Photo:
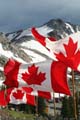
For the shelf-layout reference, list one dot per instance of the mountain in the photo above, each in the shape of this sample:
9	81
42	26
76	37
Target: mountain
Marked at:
57	28
21	45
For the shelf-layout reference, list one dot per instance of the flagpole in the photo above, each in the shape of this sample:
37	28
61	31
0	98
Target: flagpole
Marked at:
36	106
54	104
74	95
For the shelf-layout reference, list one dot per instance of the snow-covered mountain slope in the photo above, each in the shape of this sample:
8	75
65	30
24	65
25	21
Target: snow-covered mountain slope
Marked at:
26	43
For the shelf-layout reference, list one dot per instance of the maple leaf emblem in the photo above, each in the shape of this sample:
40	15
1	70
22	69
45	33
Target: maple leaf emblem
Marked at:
72	58
33	76
18	94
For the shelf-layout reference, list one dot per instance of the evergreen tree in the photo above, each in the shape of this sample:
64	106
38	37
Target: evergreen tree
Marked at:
41	106
71	107
68	107
65	107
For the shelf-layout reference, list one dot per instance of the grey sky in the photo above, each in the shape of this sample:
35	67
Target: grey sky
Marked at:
21	14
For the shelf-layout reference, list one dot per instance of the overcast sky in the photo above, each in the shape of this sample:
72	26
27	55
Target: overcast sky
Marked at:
21	14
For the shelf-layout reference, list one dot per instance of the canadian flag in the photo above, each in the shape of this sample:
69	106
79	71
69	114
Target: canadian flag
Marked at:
22	95
66	50
39	76
19	96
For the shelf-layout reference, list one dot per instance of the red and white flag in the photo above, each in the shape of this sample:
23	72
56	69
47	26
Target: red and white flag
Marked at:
66	50
19	96
22	95
39	76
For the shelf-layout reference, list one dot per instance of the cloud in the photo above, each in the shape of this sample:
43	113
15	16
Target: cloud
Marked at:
16	14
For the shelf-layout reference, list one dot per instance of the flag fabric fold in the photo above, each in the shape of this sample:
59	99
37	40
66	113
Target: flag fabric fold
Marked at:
59	77
11	71
3	101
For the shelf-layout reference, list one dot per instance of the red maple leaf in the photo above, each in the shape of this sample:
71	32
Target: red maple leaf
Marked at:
18	94
72	58
33	76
